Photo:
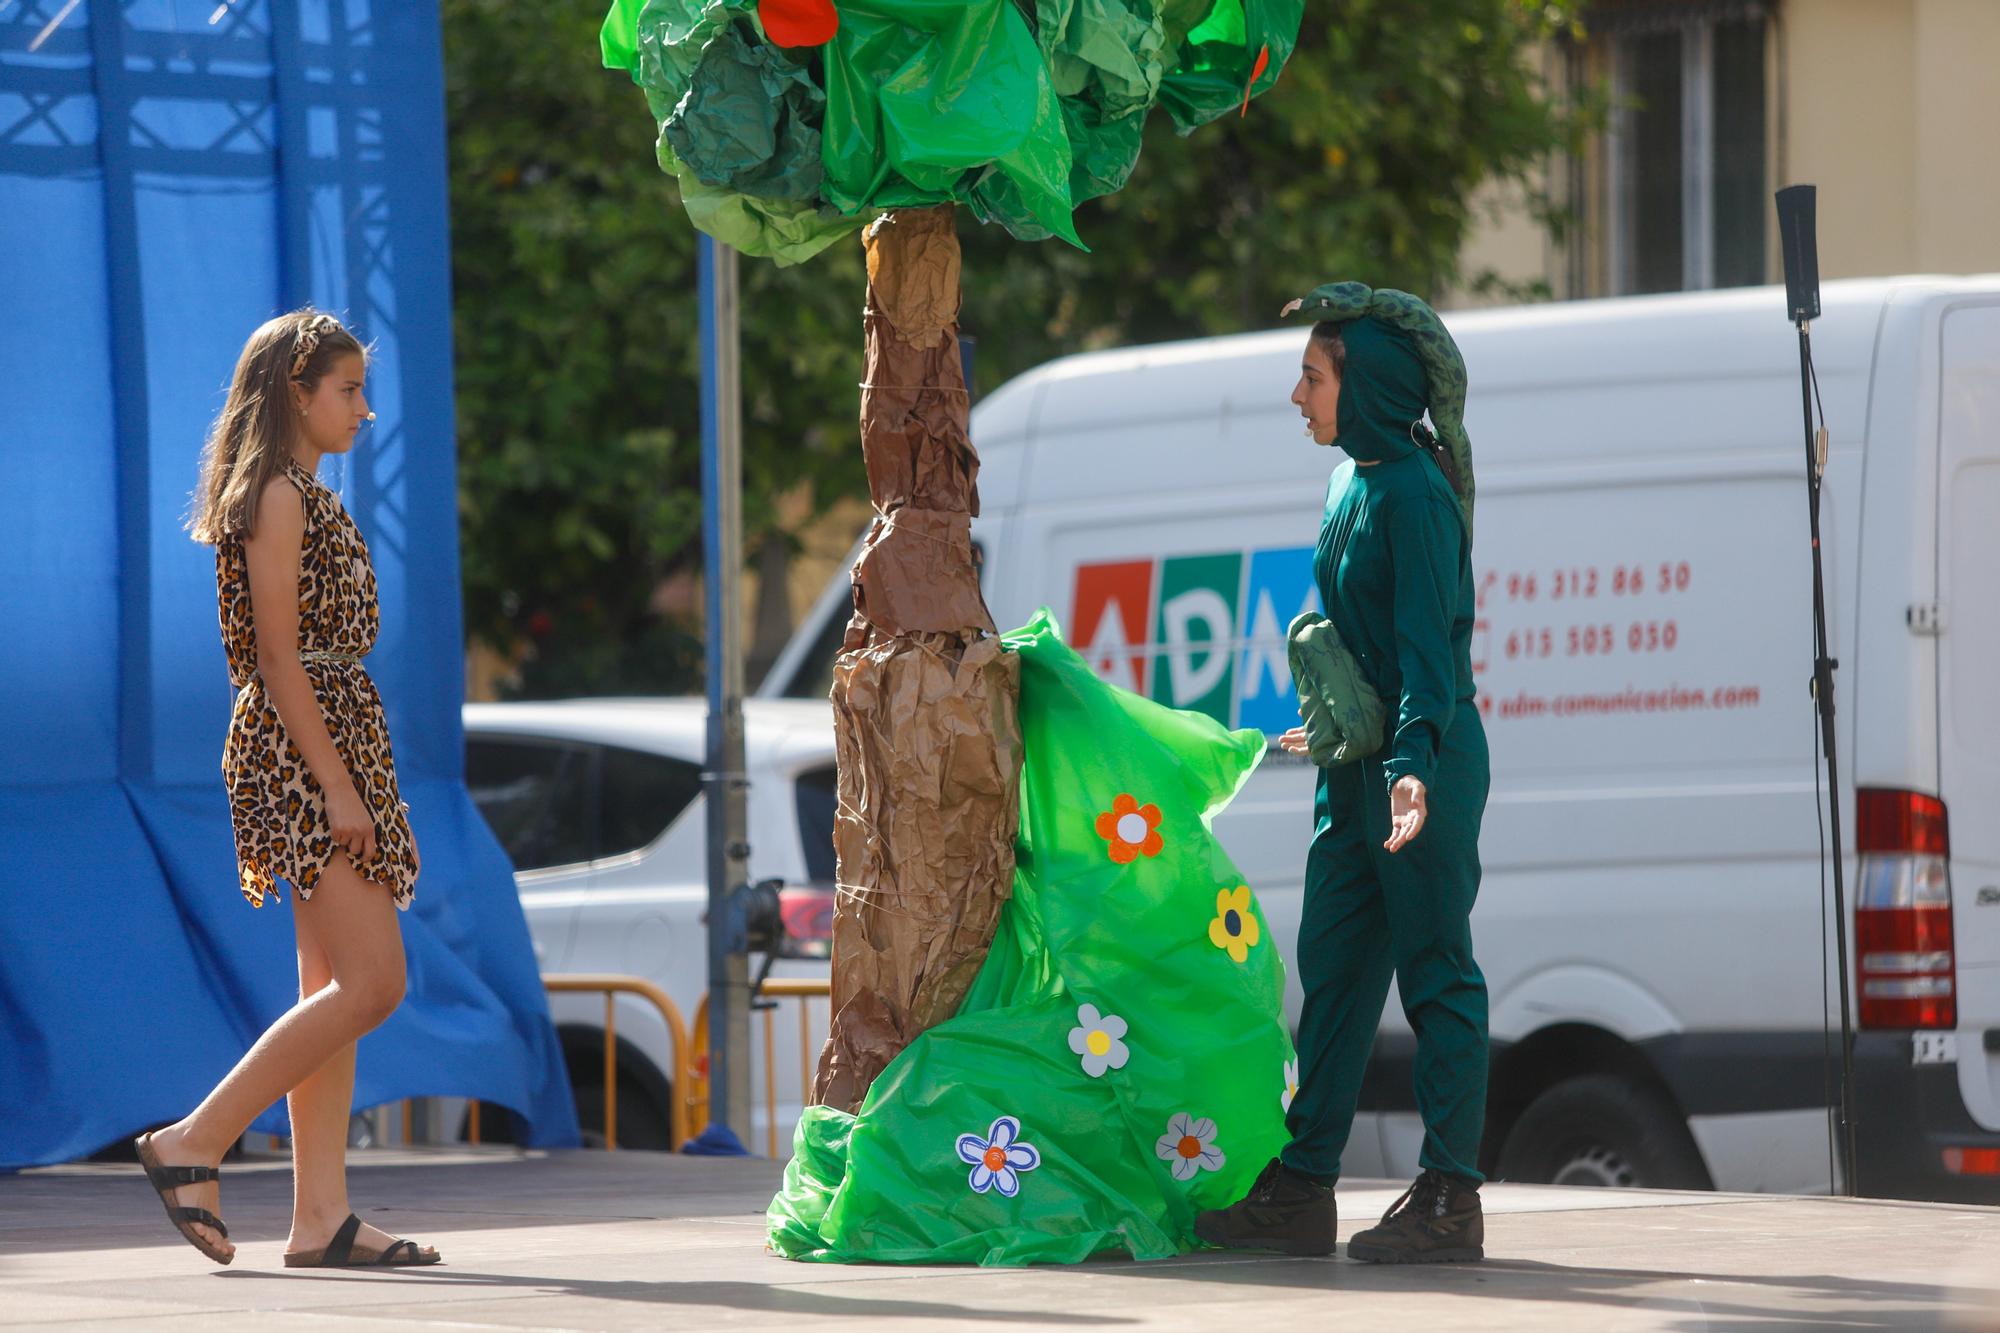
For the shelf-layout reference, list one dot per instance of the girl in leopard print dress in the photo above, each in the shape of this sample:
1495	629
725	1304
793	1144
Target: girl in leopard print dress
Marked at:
312	785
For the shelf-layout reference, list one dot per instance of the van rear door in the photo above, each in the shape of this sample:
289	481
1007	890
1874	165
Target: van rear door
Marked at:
1968	555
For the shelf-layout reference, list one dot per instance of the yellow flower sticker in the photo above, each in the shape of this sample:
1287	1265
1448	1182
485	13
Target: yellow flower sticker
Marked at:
1235	929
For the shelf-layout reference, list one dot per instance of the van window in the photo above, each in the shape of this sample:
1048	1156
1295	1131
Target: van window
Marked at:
641	795
1975	615
813	678
818	801
535	796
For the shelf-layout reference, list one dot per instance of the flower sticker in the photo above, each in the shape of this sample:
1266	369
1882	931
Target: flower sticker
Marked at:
998	1159
1099	1039
1291	1086
1133	830
1189	1145
1235	927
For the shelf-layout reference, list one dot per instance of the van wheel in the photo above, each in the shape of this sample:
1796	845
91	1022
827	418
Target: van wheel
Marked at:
641	1124
1603	1131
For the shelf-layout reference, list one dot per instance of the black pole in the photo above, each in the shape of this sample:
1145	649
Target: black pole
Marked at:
1797	233
1824	665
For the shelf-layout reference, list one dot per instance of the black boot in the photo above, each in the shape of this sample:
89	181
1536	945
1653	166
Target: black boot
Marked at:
1437	1221
1284	1211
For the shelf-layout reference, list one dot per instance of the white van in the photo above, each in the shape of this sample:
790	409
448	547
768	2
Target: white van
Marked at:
599	804
1650	923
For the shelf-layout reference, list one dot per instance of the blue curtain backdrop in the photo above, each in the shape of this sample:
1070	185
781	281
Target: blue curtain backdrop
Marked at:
172	173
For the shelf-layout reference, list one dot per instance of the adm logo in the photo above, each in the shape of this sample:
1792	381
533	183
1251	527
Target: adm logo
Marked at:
1205	632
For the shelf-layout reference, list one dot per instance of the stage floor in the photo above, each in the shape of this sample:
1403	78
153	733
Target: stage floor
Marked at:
643	1240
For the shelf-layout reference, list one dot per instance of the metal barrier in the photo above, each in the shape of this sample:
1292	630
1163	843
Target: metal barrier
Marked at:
689	1101
804	990
611	985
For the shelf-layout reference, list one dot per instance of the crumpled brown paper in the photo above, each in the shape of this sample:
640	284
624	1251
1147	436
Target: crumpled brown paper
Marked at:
916	574
926	723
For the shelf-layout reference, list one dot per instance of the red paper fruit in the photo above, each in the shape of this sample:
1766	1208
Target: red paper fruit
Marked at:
799	22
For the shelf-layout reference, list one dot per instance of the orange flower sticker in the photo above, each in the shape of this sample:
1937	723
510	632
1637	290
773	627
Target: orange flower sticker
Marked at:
1133	830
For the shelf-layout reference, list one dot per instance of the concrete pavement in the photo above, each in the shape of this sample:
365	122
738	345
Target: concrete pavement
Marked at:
638	1240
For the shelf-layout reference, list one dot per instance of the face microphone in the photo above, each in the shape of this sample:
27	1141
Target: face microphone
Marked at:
370	418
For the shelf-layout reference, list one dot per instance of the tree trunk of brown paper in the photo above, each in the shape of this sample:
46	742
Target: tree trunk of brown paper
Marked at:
926	722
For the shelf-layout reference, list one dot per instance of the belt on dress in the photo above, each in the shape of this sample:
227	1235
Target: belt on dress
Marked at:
316	655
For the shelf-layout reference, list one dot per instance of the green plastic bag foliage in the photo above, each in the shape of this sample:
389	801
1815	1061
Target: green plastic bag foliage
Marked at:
1106	58
1216	61
1122	1060
1112	60
929	100
1021	109
748	121
755	177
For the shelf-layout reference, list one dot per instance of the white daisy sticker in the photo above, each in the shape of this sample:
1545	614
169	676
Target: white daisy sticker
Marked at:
1291	1085
1099	1039
1189	1145
999	1158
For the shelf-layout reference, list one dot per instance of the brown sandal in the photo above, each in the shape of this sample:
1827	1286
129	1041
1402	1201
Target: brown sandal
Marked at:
340	1253
165	1180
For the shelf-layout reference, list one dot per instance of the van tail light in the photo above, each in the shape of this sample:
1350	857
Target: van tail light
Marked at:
807	911
1905	966
1972	1161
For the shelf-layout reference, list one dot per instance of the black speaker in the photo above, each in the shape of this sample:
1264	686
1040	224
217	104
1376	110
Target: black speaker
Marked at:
1797	232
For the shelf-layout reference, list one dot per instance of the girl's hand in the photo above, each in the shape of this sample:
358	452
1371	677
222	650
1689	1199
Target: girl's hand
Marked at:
1294	741
1407	812
347	818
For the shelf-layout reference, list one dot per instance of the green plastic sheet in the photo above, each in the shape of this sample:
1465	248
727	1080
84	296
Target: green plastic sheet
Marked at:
1121	1062
1021	109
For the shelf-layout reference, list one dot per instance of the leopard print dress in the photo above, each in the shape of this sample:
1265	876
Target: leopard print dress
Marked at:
275	804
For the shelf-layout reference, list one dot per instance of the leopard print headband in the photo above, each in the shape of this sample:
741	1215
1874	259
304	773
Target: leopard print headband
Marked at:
306	341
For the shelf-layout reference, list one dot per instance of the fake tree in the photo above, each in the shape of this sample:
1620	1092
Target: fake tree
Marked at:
790	124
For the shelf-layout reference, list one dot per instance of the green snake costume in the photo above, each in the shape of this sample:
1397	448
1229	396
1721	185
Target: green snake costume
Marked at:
1393	565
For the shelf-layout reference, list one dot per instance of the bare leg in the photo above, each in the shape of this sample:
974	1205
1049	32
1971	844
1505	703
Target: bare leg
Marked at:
353	924
320	1105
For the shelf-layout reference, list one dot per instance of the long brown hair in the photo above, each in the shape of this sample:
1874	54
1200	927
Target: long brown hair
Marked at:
252	438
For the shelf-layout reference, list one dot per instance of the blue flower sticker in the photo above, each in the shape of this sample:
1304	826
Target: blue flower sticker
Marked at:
999	1158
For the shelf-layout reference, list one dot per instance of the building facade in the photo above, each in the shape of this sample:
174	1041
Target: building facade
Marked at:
1890	107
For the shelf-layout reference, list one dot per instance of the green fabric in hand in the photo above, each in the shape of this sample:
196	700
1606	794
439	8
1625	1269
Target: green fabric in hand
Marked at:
1343	714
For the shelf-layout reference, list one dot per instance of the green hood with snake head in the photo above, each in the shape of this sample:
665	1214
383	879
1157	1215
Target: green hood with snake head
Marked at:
1401	363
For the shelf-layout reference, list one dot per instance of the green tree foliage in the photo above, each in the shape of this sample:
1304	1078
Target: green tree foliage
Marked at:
1363	162
576	320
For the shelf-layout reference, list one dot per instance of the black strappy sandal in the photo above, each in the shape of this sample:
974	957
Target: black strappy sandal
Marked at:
165	1180
340	1253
